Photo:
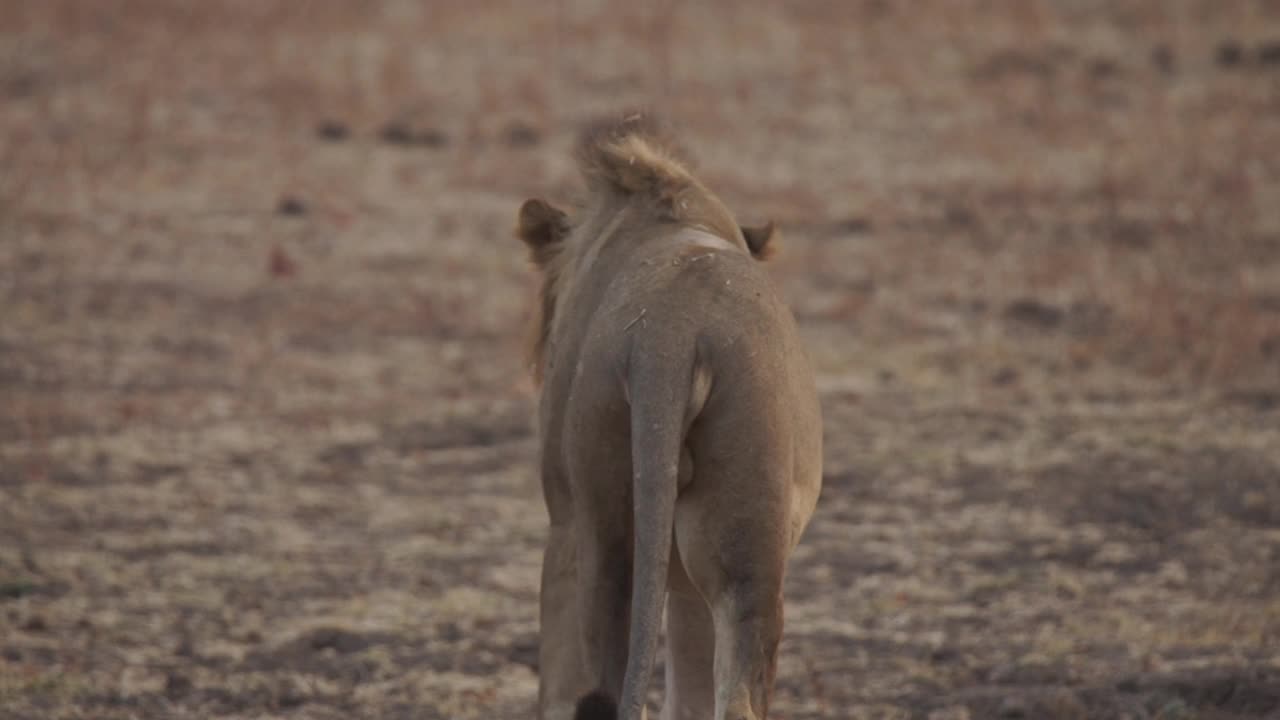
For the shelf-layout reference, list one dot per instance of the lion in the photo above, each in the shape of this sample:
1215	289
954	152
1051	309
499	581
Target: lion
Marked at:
680	439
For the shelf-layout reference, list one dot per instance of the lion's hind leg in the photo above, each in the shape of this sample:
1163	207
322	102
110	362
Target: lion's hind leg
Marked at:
736	560
690	683
562	673
600	477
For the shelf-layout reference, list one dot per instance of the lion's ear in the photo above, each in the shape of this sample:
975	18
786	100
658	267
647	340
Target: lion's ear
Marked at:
542	227
760	240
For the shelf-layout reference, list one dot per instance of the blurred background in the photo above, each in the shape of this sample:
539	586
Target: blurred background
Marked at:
265	429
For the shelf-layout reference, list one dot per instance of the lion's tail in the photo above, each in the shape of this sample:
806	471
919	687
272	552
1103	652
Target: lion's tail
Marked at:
596	706
663	394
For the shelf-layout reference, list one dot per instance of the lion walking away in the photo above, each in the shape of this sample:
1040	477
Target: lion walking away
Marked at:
680	439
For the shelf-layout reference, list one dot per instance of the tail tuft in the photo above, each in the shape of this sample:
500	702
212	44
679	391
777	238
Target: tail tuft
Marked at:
596	706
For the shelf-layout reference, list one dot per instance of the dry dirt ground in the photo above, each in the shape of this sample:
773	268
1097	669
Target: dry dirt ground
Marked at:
265	445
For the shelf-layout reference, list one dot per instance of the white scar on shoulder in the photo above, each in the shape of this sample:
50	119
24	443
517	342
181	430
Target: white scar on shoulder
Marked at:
702	238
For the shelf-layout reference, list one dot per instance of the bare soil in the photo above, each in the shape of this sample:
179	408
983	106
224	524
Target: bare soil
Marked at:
265	429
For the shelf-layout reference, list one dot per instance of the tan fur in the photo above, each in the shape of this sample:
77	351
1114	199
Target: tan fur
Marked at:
632	156
541	227
680	435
